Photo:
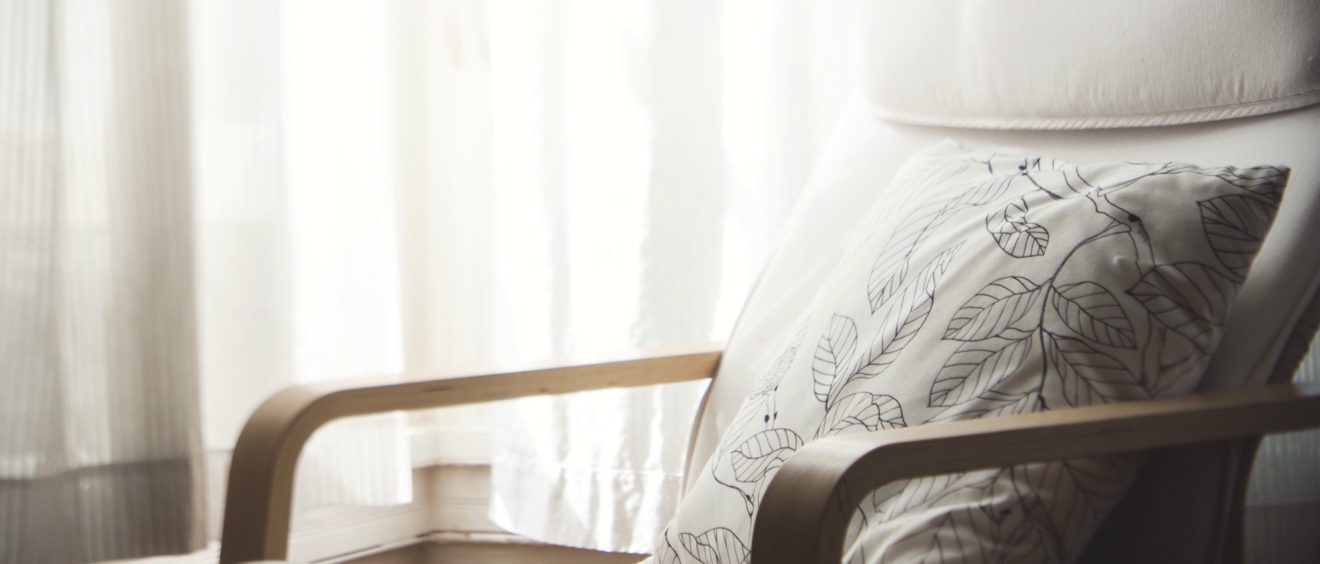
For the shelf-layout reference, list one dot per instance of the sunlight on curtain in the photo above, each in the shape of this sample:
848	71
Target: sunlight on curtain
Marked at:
239	196
664	143
298	271
620	143
432	186
100	450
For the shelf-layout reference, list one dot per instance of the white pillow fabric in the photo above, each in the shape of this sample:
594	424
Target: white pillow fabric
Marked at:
987	284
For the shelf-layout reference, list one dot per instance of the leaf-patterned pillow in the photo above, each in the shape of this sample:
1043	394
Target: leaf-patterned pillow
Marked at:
986	284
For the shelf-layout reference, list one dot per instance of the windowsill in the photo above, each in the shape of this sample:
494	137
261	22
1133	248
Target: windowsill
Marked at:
451	495
434	445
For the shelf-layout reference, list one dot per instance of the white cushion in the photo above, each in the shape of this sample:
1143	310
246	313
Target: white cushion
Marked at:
986	284
862	157
1072	64
1003	73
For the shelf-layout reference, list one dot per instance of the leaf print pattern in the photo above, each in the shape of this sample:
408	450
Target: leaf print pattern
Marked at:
1267	181
666	554
865	410
960	536
760	406
754	461
1014	234
994	310
716	546
1002	285
1092	312
889	343
1006	403
906	317
758	413
1025	403
985	192
964	535
920	493
1178	295
889	271
1179	364
975	367
1089	376
769	379
891	267
1235	226
835	347
764	452
1099	484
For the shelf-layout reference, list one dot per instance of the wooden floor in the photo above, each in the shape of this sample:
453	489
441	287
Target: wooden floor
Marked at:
495	553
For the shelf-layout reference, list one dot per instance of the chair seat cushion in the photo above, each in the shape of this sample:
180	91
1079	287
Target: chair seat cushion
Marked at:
983	284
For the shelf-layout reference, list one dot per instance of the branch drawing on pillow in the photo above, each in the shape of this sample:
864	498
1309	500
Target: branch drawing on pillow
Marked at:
985	285
1077	325
753	447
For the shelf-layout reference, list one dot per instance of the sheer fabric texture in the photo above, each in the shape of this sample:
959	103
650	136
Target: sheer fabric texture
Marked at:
669	139
203	202
438	186
210	201
100	450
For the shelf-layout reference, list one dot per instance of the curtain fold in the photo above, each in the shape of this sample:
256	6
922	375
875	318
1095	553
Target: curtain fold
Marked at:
101	451
644	155
460	184
297	227
609	112
220	199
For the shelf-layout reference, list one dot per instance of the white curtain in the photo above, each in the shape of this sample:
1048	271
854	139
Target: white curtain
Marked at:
225	198
428	186
219	199
297	232
412	185
100	439
649	149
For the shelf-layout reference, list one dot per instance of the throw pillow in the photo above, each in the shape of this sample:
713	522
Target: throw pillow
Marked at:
986	284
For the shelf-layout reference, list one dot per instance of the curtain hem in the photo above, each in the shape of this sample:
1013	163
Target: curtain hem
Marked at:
118	511
567	506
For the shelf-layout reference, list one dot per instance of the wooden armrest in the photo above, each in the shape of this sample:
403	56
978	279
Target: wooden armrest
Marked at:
808	503
256	523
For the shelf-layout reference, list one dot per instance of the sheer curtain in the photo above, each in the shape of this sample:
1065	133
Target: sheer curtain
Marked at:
221	199
428	186
653	146
217	199
297	232
424	186
100	436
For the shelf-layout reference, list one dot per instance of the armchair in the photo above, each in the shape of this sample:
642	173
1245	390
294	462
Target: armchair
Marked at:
1082	82
797	523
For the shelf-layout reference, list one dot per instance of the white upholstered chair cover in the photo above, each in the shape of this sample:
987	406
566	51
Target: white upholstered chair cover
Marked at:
1211	82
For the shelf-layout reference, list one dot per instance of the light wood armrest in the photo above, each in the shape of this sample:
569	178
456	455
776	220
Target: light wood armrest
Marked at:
808	503
256	523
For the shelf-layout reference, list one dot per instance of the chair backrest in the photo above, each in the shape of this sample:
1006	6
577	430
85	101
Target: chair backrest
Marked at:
1211	82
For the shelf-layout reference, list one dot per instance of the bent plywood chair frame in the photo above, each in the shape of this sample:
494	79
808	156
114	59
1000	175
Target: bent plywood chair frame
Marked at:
806	507
804	514
260	490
